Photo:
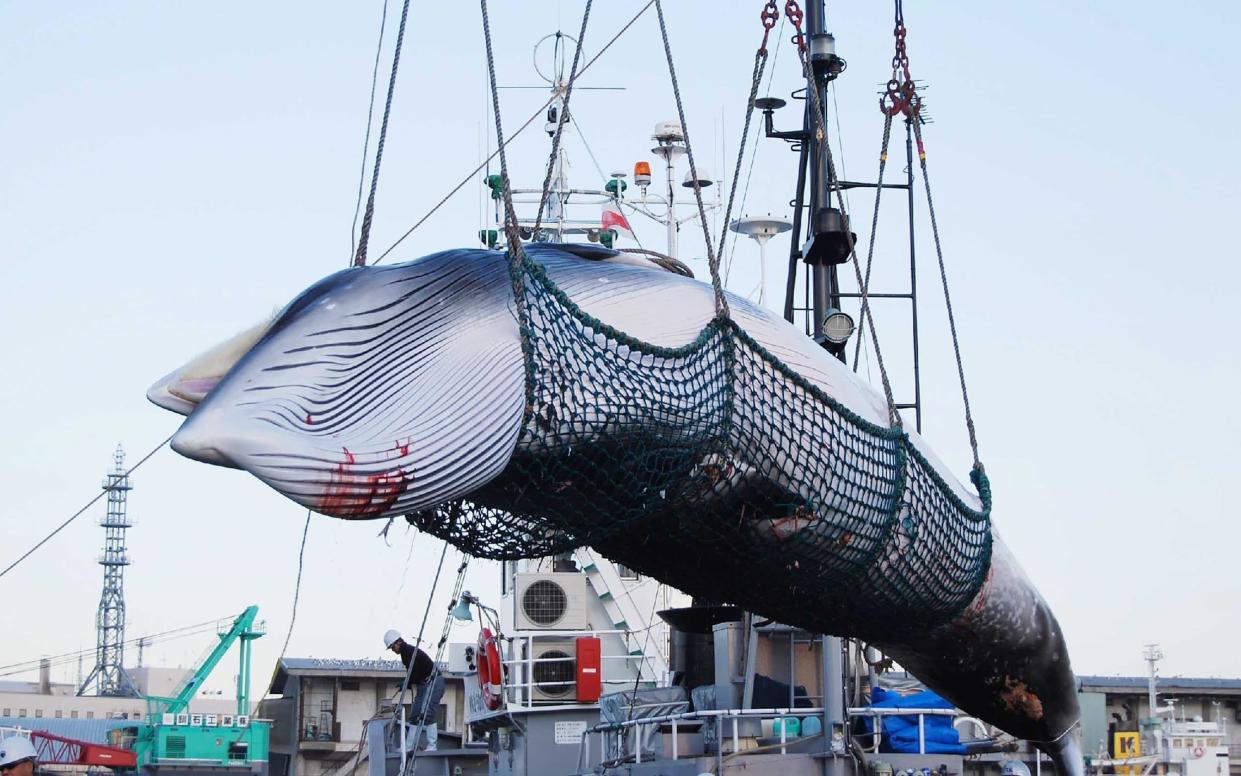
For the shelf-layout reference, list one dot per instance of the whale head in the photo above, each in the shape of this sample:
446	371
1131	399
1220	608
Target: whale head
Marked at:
377	391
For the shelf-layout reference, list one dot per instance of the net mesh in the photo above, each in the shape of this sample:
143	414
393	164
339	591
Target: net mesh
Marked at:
715	468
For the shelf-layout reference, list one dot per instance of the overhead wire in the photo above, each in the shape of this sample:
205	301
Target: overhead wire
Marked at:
85	507
66	658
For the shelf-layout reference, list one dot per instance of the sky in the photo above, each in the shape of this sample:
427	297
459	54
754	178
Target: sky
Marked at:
172	172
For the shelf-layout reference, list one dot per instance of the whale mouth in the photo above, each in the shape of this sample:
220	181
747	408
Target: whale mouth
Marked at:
200	439
193	441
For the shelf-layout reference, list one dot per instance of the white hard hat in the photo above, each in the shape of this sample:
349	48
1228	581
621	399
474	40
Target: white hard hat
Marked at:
391	637
1014	768
14	749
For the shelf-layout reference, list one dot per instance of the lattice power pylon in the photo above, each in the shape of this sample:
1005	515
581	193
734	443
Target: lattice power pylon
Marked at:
109	676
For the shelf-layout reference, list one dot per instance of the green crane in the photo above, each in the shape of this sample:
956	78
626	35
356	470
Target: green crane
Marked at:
231	741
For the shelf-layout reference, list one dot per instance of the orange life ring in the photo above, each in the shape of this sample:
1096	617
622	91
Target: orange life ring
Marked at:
1199	751
490	670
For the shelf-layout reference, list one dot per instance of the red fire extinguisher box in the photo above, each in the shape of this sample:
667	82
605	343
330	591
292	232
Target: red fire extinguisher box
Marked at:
589	676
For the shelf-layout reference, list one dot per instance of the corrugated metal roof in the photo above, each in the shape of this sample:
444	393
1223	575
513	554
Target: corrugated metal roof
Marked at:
303	666
11	685
1165	682
295	665
94	731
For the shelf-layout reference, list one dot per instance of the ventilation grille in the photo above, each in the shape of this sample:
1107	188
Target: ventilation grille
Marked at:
544	602
176	746
549	676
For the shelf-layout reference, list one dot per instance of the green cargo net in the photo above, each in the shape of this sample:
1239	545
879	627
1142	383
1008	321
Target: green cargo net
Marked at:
715	468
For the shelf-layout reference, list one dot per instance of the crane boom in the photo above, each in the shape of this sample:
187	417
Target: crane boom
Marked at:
243	629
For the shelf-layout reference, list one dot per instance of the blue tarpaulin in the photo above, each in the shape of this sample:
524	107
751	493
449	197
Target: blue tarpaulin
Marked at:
900	733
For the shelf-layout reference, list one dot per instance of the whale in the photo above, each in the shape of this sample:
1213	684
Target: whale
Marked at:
396	391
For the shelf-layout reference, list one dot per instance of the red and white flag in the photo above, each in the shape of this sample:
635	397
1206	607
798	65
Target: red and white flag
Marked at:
613	219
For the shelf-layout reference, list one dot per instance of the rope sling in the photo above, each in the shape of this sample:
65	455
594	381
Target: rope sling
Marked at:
709	464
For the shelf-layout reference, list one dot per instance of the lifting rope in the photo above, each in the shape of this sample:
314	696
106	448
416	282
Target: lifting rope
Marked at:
769	15
516	255
366	140
952	322
713	259
874	229
901	98
359	257
470	176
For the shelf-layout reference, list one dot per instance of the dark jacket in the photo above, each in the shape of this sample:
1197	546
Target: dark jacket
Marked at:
423	664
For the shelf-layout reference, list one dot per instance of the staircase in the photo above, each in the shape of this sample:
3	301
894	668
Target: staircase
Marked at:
618	598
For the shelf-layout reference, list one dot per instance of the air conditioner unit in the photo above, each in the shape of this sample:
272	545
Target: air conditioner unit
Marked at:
553	675
461	659
550	601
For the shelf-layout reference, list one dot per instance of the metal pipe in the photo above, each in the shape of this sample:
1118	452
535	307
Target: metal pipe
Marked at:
672	214
913	272
820	188
795	243
719	744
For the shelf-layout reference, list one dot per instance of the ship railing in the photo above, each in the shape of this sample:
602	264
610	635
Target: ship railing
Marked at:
721	718
876	716
520	693
730	718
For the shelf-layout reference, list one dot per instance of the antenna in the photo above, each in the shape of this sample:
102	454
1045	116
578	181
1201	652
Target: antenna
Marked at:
109	676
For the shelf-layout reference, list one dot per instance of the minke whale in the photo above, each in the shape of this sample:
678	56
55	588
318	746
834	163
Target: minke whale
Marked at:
390	391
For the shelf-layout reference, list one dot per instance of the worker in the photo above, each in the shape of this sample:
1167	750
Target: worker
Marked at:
427	681
17	756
